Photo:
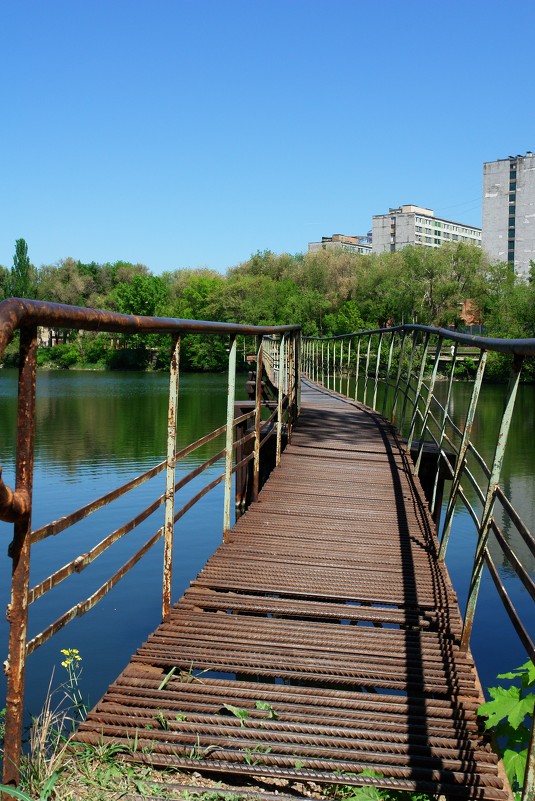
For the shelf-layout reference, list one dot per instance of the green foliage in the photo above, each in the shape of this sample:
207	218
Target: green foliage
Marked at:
14	792
204	353
5	282
144	295
241	714
347	792
263	705
63	356
327	293
508	715
2	726
22	278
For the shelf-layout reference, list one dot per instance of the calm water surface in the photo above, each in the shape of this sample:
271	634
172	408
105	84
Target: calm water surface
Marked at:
495	645
96	430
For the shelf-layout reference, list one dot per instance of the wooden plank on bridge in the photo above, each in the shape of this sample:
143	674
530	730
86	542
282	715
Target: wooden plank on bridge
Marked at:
326	619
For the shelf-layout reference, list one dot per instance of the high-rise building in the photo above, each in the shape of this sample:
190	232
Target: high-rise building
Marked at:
509	210
414	225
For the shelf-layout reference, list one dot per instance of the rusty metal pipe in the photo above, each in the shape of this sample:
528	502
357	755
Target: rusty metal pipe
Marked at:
20	552
13	505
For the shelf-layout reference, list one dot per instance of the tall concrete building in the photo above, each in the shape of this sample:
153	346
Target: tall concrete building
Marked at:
414	225
509	210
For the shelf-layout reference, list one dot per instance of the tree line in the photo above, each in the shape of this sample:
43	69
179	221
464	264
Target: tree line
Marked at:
328	292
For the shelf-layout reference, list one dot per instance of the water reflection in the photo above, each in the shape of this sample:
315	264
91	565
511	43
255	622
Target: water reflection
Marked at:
93	432
495	645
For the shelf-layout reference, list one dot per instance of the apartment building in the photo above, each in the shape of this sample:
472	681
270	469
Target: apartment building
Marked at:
356	244
415	225
509	210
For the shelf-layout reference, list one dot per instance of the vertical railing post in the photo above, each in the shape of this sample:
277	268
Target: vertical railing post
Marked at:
17	611
279	404
297	372
366	369
257	416
229	439
348	366
461	455
357	367
322	363
291	385
388	368
374	406
443	431
486	517
417	392
328	363
430	395
169	524
398	380
528	791
341	365
407	383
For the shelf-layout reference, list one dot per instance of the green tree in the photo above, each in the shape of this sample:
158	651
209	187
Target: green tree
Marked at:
22	283
4	282
143	295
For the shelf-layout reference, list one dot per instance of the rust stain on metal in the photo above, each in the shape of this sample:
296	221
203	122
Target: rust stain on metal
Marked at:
328	620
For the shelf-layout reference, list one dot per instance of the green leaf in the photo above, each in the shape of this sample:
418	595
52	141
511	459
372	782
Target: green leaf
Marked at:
272	715
365	794
527	667
14	793
506	703
242	714
49	784
515	765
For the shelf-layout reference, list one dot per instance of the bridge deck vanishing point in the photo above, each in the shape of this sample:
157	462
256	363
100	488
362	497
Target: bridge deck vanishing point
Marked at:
326	619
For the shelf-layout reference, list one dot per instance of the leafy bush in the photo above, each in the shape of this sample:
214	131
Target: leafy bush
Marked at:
63	356
509	714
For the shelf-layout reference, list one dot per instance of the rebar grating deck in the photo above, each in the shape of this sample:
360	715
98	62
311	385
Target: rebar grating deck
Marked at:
328	620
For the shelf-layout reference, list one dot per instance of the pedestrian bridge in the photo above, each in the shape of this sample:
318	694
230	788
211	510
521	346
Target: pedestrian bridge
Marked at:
322	641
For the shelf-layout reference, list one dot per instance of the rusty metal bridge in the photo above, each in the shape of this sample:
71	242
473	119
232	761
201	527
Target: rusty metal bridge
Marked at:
322	641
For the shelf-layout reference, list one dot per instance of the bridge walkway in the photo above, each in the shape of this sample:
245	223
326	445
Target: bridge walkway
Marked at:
320	641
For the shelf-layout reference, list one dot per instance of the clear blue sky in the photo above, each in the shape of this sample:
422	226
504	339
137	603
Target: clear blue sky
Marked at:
183	133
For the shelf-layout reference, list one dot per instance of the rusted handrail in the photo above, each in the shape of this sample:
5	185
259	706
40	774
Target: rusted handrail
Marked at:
405	373
16	505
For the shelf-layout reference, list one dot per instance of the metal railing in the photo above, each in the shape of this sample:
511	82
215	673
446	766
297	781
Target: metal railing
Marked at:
25	316
394	371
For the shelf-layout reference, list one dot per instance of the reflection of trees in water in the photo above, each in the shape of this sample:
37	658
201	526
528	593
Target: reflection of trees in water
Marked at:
79	421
